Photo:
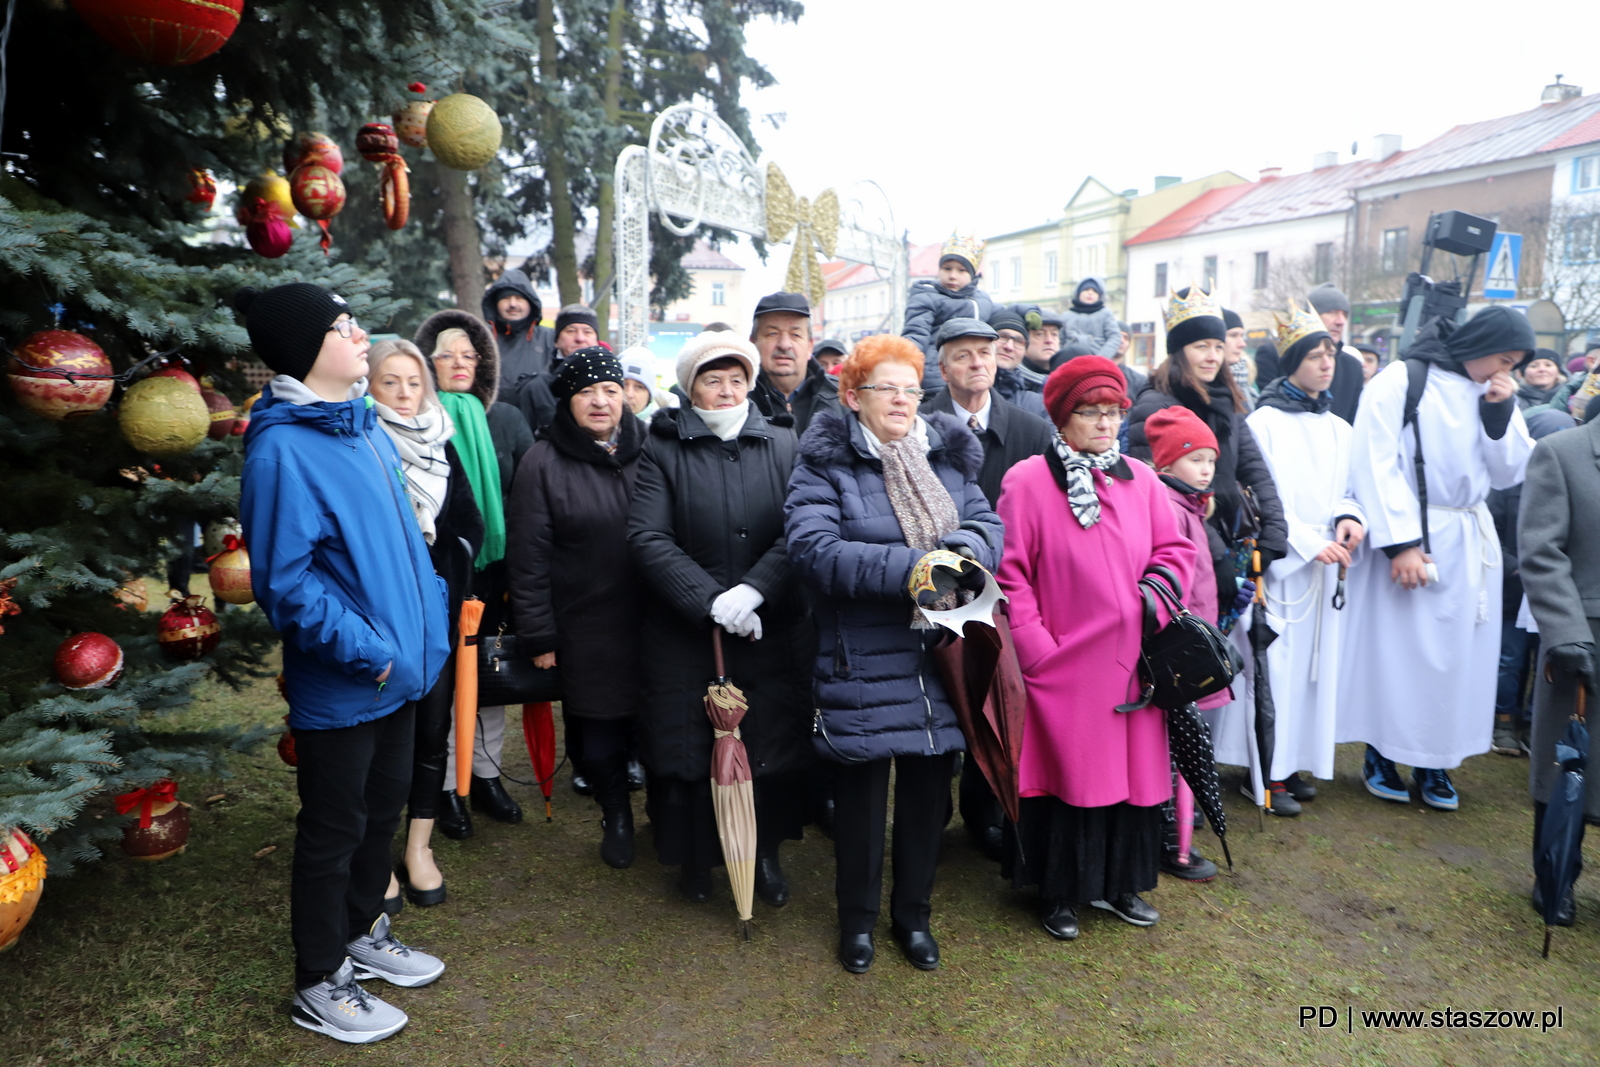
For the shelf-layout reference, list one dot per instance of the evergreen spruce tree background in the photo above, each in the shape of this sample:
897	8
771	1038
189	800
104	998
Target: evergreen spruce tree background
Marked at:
96	231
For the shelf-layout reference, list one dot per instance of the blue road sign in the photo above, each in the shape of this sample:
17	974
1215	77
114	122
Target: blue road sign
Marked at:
1505	266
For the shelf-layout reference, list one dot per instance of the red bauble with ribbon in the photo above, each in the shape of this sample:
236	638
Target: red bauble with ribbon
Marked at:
88	661
162	828
202	188
286	749
42	373
316	148
269	235
378	143
188	629
318	194
230	573
172	370
168	33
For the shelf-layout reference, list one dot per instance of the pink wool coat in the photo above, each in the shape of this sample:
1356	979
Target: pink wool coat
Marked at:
1076	614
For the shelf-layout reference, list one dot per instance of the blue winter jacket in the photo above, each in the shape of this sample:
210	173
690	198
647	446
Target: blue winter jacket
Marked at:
338	562
877	685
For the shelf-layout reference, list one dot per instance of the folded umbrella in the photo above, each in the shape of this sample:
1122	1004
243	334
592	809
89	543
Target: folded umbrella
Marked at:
984	683
732	791
539	732
467	691
1266	717
1192	753
1559	857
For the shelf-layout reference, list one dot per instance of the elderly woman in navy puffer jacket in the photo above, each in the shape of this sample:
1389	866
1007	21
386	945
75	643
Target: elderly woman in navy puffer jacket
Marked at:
854	536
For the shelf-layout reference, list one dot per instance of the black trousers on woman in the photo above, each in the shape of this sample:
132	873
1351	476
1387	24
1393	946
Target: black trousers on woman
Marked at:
861	817
435	716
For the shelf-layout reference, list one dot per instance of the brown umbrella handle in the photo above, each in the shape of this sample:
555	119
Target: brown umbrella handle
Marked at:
716	650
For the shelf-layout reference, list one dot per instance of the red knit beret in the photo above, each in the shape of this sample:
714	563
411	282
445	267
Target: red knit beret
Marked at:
1175	432
1075	379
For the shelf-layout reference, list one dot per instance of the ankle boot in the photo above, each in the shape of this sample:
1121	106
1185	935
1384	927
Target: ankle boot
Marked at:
454	820
771	885
616	826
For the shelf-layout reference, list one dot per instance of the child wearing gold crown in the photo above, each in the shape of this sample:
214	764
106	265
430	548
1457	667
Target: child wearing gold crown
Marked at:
954	294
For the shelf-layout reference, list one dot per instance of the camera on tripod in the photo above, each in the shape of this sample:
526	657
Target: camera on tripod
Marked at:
1460	234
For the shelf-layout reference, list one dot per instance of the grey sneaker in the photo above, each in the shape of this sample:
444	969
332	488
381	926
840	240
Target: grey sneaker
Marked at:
340	1008
379	954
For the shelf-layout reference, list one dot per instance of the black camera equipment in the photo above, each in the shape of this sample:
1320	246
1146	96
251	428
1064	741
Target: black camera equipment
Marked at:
1460	234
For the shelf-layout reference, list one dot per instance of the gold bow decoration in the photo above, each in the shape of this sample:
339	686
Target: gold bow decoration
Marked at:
816	229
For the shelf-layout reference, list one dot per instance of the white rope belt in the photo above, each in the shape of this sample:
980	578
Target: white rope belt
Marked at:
1489	557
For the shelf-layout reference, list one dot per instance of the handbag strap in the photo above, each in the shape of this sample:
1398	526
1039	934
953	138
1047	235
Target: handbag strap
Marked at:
1153	586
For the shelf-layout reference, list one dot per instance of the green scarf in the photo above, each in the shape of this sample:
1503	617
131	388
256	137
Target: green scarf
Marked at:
476	449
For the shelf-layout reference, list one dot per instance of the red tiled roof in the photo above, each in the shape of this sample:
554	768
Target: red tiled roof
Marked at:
1191	214
841	274
1585	132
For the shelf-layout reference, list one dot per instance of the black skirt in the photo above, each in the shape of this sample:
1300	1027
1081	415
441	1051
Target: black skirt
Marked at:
684	824
1075	855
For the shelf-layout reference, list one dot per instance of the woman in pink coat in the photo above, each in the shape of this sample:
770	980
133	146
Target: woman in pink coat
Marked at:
1083	525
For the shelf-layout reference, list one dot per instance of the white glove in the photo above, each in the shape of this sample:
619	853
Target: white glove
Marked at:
734	609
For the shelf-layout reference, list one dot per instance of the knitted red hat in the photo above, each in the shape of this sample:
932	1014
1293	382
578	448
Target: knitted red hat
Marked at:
1175	432
1075	379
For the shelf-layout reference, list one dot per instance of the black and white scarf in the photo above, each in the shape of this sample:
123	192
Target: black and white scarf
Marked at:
420	440
1081	493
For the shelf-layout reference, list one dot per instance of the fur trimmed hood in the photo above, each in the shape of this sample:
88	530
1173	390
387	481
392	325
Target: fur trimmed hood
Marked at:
833	436
487	382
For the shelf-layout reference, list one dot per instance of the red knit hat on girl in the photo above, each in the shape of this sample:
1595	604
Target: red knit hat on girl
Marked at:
1175	432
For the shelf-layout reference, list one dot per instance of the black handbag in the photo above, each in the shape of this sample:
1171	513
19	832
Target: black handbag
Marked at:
1186	659
506	674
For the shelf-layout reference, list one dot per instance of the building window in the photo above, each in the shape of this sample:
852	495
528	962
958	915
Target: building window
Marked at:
1322	265
1583	239
1393	252
1586	174
1016	272
1050	268
719	294
1208	271
1161	279
1261	270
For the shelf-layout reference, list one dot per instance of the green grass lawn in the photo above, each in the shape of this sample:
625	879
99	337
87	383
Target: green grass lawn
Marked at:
556	959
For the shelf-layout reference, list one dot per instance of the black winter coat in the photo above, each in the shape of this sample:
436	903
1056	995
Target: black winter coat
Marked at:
1011	437
526	348
878	688
708	515
458	521
818	390
574	588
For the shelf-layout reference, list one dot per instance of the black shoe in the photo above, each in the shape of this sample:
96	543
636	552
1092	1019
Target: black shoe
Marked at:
489	795
856	952
1282	802
394	905
581	786
824	818
422	898
1299	788
771	886
1569	906
1130	909
635	776
1060	920
616	836
1198	869
454	819
695	884
920	949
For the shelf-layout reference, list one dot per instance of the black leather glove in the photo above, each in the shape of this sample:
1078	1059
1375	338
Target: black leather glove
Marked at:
1575	659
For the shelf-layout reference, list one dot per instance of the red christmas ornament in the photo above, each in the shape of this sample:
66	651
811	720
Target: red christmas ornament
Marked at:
162	829
202	188
40	374
188	629
230	573
377	142
223	413
168	33
269	235
172	370
315	148
8	606
88	661
318	194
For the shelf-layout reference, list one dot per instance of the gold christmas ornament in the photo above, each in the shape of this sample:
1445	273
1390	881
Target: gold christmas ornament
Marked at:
463	131
273	189
164	417
816	229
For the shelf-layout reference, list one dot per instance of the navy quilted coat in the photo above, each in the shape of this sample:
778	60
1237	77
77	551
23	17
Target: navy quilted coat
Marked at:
877	685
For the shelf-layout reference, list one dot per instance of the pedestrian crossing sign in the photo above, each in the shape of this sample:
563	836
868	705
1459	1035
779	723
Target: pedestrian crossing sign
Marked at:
1505	263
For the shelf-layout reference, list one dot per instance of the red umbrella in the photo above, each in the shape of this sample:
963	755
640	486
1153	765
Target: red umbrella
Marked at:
732	792
539	731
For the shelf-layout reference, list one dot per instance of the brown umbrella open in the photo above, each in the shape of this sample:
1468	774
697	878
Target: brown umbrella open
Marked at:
732	792
467	691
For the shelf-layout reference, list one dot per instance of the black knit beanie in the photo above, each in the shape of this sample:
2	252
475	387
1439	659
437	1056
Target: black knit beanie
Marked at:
574	313
584	368
1231	319
288	323
1290	359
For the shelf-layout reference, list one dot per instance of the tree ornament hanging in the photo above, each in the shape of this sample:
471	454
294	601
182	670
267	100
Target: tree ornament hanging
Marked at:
188	629
378	144
88	661
162	828
463	131
163	416
230	573
223	413
216	533
132	593
270	187
318	194
41	369
22	868
269	235
178	374
316	148
286	749
411	121
202	189
167	33
8	605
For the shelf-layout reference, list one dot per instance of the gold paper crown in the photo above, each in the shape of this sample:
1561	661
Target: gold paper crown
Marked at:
1301	323
1183	308
968	248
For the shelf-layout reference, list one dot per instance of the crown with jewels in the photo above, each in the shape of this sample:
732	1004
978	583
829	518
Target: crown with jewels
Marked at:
1195	304
968	248
1301	323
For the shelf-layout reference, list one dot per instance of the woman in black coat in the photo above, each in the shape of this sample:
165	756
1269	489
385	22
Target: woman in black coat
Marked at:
706	530
574	589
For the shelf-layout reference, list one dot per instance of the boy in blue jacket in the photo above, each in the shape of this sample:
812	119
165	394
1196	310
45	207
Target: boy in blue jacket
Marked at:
342	572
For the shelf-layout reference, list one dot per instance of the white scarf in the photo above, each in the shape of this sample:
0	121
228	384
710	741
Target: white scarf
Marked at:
420	440
918	433
725	422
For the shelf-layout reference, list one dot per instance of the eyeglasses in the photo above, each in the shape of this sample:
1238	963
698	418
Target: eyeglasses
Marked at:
1096	414
465	357
910	392
346	327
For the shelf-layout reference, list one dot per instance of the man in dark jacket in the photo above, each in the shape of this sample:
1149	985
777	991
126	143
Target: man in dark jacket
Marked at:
792	386
512	309
1349	374
1010	325
341	571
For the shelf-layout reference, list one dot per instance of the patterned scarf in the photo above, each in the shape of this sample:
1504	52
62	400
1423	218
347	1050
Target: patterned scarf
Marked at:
1081	494
922	505
420	440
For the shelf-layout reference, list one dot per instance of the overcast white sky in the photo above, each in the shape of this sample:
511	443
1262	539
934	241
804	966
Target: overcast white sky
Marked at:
987	115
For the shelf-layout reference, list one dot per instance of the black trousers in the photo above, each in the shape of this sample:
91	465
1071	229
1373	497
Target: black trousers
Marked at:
352	781
980	808
861	816
435	716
